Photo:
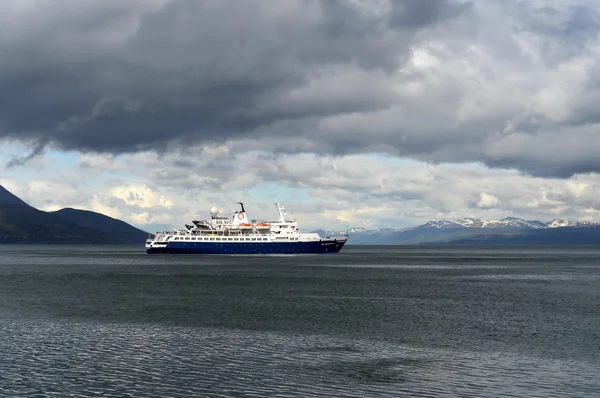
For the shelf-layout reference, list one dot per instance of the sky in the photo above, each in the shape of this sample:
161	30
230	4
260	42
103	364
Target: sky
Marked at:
360	113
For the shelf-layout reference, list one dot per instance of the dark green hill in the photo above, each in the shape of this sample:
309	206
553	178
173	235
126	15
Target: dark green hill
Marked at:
21	223
7	198
108	225
25	224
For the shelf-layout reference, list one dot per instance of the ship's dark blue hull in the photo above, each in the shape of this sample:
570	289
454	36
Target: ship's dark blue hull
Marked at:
316	247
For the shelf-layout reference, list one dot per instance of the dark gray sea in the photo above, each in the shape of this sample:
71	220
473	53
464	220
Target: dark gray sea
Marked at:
81	321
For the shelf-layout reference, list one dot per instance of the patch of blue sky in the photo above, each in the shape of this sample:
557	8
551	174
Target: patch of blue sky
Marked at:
62	158
268	192
22	173
55	158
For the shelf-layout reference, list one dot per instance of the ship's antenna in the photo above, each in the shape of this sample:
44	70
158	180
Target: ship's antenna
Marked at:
281	211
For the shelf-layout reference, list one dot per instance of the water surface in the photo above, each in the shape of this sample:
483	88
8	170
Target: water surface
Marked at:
370	321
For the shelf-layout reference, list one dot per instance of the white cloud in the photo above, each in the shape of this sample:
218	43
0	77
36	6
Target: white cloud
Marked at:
360	190
99	205
94	162
355	190
487	200
147	218
141	196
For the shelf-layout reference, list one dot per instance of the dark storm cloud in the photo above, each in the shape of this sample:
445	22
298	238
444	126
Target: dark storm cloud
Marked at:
409	14
21	160
196	70
563	31
330	77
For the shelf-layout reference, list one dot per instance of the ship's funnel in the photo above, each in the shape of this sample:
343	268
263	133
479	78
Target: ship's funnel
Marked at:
240	218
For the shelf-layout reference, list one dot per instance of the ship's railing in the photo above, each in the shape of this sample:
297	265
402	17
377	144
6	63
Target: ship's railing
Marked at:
220	230
228	233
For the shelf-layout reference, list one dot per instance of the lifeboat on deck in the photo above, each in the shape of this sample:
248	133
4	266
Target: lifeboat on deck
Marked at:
246	226
263	226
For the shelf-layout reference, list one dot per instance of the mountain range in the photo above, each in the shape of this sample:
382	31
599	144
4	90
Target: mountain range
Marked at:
22	223
473	231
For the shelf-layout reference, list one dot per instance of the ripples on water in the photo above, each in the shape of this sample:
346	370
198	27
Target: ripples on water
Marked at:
369	323
57	359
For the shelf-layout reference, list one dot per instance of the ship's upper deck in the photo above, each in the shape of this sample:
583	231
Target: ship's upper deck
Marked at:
238	224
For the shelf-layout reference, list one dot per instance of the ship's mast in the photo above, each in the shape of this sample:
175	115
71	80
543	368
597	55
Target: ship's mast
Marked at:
281	211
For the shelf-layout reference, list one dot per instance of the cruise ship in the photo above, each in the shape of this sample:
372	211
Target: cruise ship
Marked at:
237	234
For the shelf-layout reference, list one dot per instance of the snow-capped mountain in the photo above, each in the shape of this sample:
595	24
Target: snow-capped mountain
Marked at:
505	223
556	223
508	222
449	230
